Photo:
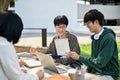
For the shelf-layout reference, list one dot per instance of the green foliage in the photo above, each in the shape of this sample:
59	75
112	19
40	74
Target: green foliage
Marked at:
118	44
86	51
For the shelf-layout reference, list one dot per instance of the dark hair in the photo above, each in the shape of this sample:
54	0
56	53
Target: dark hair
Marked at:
61	20
11	26
93	15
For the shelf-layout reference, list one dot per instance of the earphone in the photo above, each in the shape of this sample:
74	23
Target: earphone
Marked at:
97	36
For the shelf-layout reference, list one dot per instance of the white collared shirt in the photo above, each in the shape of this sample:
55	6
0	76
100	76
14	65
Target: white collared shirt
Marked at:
97	36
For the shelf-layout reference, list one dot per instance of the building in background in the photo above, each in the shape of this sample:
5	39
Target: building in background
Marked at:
110	8
40	13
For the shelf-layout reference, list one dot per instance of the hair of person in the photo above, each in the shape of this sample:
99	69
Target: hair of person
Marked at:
11	26
61	19
93	15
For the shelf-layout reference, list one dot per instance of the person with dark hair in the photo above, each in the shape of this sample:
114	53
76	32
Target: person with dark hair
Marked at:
11	27
103	63
61	23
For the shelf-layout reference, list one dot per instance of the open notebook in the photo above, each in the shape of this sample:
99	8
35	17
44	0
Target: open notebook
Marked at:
62	46
32	63
28	60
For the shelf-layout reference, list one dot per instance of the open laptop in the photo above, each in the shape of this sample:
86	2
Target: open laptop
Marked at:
48	63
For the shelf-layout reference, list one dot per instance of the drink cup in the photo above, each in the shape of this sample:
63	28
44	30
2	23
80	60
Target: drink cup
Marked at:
33	51
72	73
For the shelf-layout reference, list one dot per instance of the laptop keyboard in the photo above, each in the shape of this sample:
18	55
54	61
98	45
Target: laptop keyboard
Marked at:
61	70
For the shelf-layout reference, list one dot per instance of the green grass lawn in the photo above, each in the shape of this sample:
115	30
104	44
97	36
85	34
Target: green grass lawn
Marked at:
86	51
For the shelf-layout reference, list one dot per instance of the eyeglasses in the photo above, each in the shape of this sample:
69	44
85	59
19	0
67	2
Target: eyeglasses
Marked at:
61	27
87	23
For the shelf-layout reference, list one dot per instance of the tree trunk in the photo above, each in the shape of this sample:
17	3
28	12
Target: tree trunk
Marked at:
4	4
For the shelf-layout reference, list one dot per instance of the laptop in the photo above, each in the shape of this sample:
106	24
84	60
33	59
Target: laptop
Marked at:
48	63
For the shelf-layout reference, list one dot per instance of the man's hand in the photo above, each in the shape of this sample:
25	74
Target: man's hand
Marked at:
40	74
73	55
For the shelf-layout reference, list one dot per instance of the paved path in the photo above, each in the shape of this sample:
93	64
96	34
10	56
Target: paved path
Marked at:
29	41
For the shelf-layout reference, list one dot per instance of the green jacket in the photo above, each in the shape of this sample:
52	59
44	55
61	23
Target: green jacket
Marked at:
104	56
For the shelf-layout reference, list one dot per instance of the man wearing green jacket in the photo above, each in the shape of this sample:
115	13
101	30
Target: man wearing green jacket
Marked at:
103	63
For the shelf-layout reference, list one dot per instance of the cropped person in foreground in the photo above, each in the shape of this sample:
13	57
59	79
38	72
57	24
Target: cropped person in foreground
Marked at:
11	27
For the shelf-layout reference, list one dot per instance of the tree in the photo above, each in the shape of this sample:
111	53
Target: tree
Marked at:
4	5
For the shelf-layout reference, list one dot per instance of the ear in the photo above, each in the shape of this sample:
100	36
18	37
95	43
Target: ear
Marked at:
96	22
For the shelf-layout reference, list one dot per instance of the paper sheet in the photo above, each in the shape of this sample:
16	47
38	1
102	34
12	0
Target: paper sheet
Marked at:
62	46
